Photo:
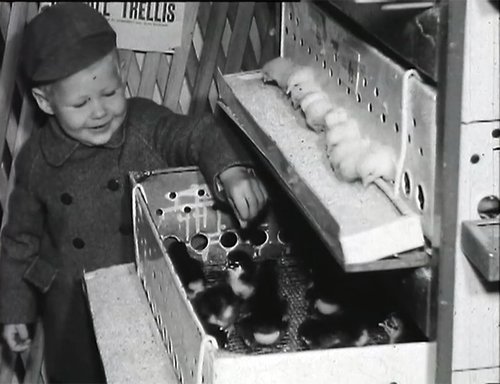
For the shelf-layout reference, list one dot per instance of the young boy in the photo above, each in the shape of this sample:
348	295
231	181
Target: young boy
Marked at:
70	209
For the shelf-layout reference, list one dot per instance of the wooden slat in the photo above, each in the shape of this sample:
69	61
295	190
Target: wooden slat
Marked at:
239	37
134	75
148	74
180	59
248	55
163	74
204	23
208	58
266	26
9	66
191	69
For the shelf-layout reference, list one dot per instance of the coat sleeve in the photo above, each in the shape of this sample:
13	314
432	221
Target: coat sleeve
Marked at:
19	245
203	140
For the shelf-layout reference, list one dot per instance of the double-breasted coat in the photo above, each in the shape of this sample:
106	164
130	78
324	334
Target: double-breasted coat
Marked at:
70	212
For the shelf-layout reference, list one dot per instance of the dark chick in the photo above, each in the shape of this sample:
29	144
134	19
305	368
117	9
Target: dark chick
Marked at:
241	273
218	306
189	269
267	319
333	332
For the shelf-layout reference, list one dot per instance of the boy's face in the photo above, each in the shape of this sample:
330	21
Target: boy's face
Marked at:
89	105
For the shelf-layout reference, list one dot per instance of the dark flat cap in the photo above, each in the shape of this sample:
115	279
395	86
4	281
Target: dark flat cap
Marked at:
64	39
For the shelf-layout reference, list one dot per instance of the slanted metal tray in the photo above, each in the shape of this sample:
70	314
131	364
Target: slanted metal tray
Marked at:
365	228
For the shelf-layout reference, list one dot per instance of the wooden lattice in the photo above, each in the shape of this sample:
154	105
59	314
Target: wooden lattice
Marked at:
229	37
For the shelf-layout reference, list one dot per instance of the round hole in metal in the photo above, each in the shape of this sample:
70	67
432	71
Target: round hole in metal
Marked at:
159	212
488	207
474	159
257	237
495	133
172	195
168	241
406	184
283	236
420	197
228	239
199	242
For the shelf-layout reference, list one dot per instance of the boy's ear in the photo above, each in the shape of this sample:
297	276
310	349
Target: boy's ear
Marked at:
42	100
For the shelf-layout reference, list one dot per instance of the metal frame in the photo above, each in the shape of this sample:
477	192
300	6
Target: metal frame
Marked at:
449	102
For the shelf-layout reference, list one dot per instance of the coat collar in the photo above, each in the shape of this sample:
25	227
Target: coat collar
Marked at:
57	146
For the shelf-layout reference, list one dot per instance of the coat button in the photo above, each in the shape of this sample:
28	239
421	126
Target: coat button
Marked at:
113	185
66	199
78	243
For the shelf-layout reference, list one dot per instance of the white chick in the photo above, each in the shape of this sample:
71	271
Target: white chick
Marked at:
278	70
300	75
315	114
346	149
379	161
313	97
347	130
335	116
300	91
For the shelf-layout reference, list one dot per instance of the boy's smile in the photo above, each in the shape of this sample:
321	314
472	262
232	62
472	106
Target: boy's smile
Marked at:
89	105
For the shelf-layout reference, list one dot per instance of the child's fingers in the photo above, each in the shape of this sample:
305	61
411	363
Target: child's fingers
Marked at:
22	331
16	337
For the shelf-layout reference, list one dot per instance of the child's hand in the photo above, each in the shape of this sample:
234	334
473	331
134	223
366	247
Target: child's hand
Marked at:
16	336
246	194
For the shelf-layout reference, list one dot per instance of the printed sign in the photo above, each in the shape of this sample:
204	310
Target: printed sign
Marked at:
142	26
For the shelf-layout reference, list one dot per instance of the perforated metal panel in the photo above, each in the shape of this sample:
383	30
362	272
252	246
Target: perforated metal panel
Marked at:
392	103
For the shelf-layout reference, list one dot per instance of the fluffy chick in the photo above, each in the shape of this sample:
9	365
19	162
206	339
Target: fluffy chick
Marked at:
346	130
301	91
241	273
379	161
335	116
334	332
278	71
315	114
313	97
347	148
189	269
217	307
267	319
301	75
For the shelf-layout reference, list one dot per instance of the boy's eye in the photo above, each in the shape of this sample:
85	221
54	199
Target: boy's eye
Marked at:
80	105
111	93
